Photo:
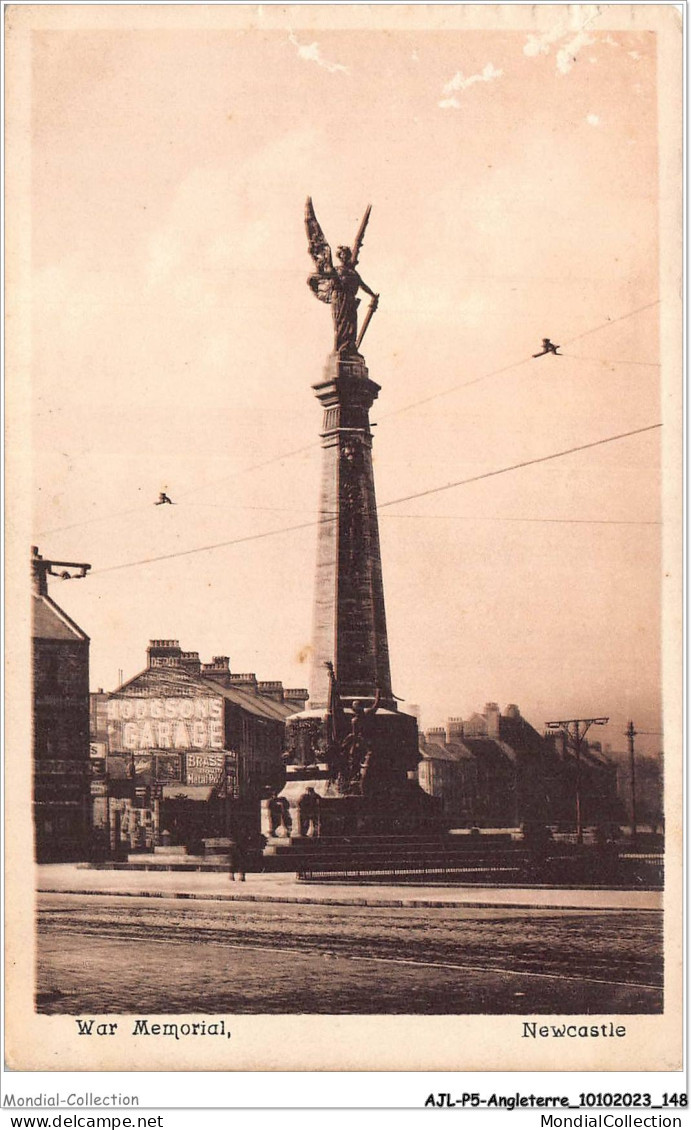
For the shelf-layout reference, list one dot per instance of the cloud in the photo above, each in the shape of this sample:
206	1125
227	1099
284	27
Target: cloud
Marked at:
566	55
458	82
310	52
540	44
572	30
592	120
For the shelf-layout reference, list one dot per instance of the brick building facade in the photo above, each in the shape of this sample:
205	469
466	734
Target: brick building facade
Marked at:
494	770
60	732
185	750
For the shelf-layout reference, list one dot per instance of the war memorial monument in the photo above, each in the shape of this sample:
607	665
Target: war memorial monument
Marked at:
353	749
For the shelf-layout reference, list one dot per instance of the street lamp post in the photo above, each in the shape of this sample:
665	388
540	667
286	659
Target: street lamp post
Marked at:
631	734
571	727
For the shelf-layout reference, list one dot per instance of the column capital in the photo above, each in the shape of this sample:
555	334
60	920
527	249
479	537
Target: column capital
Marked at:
351	392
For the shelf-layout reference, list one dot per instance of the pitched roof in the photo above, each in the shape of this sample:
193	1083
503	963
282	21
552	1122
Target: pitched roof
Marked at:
159	678
166	679
459	749
254	703
484	747
433	752
49	622
449	751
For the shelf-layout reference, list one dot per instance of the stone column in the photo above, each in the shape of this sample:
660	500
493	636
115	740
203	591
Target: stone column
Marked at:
349	614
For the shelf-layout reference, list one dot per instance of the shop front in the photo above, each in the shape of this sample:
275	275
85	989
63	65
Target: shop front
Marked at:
180	757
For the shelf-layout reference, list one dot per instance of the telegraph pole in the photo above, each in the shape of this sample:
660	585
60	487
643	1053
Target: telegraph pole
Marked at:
631	734
574	737
42	568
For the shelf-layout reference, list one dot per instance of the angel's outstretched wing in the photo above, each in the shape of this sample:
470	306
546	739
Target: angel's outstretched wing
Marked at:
318	247
321	284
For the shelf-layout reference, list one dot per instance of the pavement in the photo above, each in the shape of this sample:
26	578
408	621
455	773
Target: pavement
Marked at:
67	878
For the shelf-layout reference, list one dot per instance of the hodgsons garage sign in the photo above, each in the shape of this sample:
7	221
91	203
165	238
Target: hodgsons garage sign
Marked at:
165	723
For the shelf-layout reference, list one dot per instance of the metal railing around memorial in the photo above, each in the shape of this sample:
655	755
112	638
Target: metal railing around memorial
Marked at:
569	868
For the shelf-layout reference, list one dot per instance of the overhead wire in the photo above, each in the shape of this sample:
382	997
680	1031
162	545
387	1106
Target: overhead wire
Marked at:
513	518
110	517
138	509
254	467
609	361
613	321
384	416
517	466
331	517
514	365
441	517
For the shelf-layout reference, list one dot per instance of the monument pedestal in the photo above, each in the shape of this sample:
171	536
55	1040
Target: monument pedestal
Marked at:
411	812
388	801
403	813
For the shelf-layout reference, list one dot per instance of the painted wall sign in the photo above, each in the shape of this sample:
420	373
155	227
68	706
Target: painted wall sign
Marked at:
232	775
165	723
168	767
143	766
117	768
203	768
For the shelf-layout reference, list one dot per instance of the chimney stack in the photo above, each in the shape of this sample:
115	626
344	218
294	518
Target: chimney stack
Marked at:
164	653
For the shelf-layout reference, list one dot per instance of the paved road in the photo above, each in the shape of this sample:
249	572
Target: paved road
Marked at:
104	953
286	888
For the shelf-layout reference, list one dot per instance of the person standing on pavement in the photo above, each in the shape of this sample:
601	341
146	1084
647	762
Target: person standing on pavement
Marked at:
237	860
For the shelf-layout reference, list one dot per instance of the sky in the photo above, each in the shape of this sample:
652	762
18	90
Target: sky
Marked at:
513	177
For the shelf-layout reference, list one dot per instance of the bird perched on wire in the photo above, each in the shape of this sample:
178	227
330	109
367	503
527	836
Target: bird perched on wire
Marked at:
163	498
548	347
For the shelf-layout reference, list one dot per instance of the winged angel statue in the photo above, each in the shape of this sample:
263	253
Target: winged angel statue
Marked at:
339	285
